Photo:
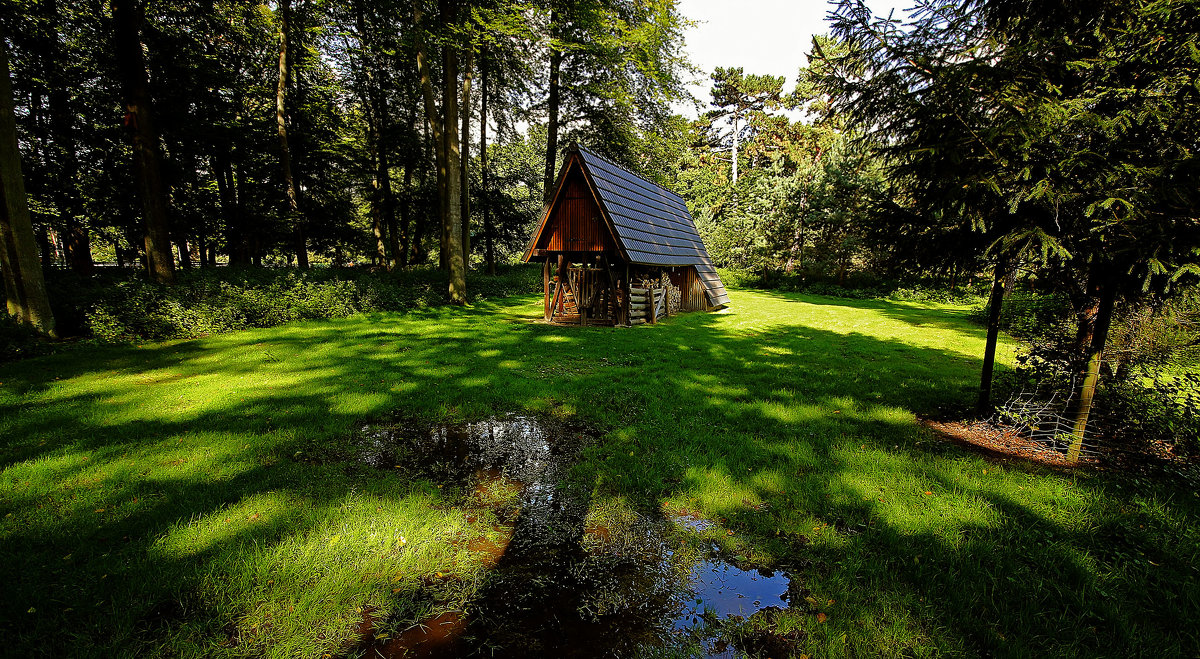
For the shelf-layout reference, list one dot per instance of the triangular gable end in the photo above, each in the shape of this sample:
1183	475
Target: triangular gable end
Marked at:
576	203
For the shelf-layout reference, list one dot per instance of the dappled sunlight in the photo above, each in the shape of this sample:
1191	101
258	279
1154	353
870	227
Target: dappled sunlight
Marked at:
790	423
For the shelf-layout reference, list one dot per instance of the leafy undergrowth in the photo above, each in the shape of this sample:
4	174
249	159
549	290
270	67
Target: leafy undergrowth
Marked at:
121	305
202	498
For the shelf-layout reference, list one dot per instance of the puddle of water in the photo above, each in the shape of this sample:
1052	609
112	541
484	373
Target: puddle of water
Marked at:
726	590
563	580
692	522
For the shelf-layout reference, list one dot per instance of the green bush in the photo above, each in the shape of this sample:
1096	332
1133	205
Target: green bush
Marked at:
123	306
859	286
1030	316
1166	411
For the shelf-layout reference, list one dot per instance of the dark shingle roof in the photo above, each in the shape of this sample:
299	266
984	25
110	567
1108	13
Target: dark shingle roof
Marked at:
652	223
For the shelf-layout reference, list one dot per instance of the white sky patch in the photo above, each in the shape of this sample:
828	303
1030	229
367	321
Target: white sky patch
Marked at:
761	36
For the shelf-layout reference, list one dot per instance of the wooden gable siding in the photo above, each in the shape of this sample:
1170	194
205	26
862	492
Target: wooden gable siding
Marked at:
575	223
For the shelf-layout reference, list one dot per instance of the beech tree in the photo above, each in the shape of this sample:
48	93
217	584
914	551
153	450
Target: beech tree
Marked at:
23	285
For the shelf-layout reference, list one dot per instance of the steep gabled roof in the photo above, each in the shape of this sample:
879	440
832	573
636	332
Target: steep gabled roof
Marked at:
652	224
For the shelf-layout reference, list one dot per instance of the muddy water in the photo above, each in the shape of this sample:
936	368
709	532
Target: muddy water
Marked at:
562	581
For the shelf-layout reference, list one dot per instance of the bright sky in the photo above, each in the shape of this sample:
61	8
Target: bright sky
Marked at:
761	36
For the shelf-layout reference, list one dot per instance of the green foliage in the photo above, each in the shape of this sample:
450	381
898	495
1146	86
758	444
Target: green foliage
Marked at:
862	286
1164	411
1031	316
223	300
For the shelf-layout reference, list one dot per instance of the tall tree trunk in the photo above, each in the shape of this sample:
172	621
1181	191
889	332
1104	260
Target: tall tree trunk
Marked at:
797	248
490	253
24	287
285	154
79	249
66	197
984	405
465	160
552	106
1091	376
378	120
406	212
223	172
185	254
131	65
433	118
736	137
452	223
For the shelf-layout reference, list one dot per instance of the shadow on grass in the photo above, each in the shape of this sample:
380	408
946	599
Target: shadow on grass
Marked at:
801	403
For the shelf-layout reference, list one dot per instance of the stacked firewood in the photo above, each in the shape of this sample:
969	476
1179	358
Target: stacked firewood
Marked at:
674	295
643	286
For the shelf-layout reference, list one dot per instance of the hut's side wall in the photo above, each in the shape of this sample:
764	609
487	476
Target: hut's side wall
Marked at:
694	298
575	223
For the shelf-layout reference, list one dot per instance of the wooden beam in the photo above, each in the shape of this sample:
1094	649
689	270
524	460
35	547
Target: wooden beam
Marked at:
562	280
546	286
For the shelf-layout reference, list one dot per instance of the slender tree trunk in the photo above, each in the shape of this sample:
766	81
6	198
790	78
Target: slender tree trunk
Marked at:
983	406
736	137
1091	375
465	160
384	175
185	254
406	211
79	250
419	255
378	120
490	253
552	107
131	64
434	121
285	154
452	223
24	286
796	248
223	172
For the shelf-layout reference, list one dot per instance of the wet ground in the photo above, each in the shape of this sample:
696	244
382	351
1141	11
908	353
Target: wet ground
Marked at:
564	578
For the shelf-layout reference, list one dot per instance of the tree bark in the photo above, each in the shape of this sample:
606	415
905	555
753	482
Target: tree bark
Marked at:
1091	375
452	222
433	119
552	107
983	406
490	253
79	250
465	160
131	65
378	119
24	285
285	154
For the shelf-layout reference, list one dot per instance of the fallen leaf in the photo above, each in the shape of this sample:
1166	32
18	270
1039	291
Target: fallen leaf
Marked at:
821	617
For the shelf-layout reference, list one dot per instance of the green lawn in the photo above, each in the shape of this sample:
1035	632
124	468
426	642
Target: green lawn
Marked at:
163	499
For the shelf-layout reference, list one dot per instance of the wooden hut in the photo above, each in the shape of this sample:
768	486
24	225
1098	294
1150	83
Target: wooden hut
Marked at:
618	249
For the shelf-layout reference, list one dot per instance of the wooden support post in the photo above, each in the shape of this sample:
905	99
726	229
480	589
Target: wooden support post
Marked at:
562	282
651	305
546	286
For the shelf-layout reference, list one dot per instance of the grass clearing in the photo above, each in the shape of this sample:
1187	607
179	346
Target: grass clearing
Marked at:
161	500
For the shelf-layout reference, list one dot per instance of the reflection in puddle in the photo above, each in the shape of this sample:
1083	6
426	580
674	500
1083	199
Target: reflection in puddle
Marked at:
565	578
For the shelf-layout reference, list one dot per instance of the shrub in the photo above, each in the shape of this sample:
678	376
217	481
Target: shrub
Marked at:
122	306
1167	411
860	286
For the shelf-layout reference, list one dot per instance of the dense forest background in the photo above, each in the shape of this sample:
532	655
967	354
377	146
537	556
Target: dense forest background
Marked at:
967	147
